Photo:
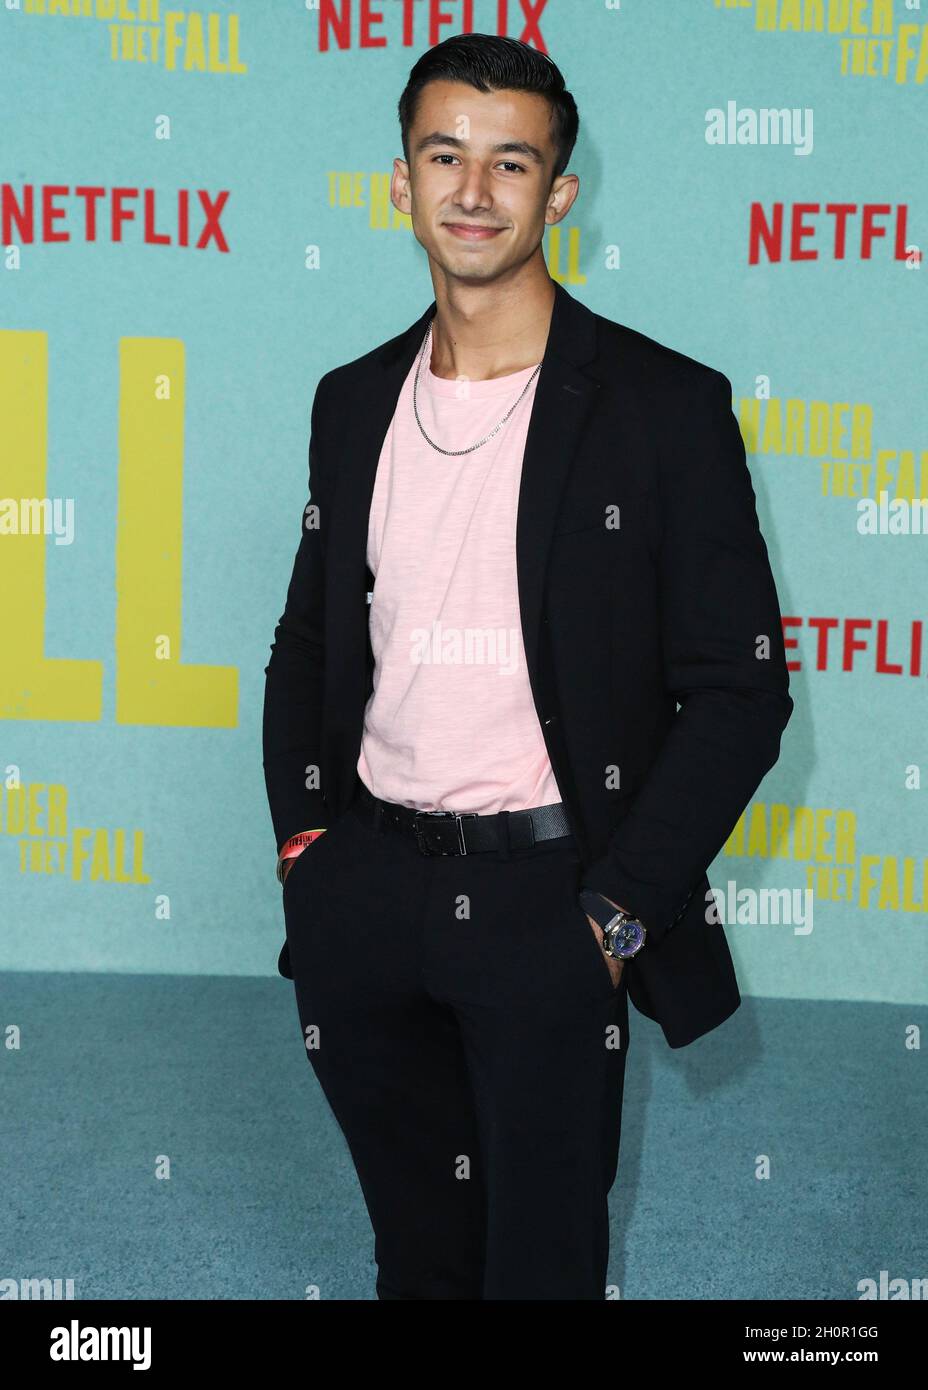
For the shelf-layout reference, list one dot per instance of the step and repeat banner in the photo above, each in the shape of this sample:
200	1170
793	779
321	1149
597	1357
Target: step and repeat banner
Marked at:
196	225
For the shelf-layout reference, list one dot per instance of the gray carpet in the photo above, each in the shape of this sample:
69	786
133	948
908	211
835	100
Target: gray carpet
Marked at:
117	1073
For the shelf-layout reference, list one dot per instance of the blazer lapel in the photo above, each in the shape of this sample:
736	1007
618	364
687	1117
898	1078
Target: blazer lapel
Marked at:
564	394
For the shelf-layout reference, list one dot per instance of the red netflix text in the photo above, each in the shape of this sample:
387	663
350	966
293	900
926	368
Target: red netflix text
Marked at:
853	644
859	226
336	16
53	211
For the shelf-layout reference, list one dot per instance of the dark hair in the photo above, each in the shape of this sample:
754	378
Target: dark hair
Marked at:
490	63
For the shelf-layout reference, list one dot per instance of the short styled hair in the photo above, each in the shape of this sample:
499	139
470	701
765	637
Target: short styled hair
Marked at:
490	64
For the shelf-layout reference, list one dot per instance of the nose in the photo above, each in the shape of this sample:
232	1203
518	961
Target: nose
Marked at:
473	191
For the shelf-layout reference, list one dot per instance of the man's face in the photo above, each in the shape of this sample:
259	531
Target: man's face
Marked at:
478	185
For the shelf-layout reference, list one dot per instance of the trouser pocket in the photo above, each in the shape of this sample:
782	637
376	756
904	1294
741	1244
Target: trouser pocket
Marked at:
594	951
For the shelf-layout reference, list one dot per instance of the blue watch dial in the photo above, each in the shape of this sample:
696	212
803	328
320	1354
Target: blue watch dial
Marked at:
627	939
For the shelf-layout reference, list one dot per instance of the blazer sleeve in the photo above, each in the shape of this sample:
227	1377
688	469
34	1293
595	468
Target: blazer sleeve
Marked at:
724	660
293	688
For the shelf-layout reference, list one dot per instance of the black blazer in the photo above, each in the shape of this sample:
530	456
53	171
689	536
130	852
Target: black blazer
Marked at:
621	623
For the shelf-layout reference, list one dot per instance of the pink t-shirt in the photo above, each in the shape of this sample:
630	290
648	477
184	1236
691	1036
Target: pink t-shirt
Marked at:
451	724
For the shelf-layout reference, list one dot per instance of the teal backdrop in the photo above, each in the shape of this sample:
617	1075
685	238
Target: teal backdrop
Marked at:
162	391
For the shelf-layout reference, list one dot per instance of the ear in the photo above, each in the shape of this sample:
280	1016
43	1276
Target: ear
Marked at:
563	195
400	190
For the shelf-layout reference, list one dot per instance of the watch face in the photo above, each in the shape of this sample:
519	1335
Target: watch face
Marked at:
627	939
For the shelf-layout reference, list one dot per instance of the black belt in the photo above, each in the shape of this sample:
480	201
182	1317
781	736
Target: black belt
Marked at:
465	832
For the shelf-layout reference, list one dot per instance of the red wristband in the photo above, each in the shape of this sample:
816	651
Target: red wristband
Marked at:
295	846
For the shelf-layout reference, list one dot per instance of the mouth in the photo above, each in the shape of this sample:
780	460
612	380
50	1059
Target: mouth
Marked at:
469	231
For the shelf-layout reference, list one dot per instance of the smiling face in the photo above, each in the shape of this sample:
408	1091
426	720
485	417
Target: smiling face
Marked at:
478	185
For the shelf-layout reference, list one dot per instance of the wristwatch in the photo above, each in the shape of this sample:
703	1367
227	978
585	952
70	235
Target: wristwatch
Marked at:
623	934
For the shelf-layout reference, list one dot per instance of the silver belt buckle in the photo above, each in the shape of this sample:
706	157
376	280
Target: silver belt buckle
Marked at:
425	845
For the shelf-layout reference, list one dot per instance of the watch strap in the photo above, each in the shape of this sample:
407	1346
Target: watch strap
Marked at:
599	908
605	914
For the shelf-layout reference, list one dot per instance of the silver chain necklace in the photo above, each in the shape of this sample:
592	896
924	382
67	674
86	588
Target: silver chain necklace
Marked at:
415	405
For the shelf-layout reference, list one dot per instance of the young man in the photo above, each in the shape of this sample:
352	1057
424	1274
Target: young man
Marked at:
555	518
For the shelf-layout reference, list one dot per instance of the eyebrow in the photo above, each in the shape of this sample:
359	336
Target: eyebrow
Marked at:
508	147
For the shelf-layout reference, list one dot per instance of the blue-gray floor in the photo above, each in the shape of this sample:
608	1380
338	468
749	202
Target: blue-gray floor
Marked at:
116	1074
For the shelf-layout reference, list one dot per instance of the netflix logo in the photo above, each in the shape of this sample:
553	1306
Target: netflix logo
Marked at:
55	212
849	644
347	23
810	232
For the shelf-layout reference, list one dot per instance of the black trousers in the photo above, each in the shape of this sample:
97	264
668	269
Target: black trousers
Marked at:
464	1027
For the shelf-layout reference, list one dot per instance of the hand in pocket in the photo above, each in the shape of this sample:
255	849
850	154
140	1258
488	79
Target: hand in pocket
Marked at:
614	966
